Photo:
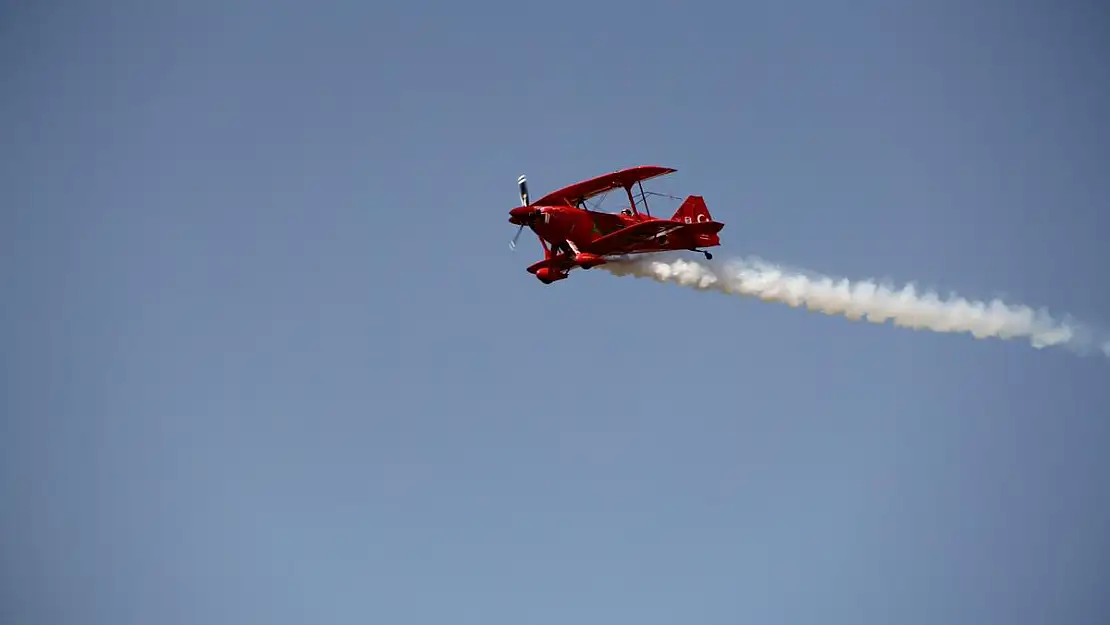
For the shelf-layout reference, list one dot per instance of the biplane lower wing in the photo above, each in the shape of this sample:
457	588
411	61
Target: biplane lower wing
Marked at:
656	236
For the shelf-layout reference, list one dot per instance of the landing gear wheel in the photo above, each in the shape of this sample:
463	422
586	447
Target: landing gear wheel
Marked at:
708	256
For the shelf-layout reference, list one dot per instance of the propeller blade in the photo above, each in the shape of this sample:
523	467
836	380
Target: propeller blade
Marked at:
522	183
512	244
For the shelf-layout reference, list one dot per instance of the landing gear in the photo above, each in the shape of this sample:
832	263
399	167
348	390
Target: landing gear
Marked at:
707	255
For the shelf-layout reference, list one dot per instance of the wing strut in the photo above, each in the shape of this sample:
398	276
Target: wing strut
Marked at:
631	200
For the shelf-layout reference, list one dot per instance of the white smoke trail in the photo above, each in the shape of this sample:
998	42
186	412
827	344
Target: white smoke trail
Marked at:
861	300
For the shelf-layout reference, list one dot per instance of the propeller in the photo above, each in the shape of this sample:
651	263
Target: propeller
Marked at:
522	184
524	218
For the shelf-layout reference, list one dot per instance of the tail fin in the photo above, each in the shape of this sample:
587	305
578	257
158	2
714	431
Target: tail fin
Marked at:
693	211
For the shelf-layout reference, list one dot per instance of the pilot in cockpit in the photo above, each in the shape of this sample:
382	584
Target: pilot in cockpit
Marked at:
627	212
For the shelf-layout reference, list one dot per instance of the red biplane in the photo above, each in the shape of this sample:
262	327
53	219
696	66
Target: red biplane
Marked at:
574	236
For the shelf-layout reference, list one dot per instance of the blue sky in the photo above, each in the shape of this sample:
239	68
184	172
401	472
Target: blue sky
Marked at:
270	360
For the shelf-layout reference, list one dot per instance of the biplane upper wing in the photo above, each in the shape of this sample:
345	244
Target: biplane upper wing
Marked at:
606	182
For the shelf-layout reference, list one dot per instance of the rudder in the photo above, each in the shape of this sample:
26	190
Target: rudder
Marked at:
693	211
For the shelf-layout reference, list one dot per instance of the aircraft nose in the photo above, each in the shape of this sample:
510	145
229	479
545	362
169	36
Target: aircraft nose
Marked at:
521	214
